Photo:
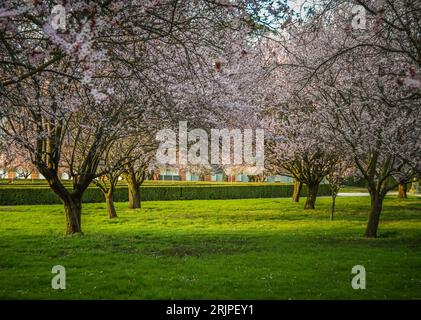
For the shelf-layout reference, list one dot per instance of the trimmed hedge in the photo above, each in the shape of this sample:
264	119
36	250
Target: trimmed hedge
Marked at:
355	182
19	183
37	195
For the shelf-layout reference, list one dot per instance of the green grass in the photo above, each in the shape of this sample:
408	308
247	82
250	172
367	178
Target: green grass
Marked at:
351	189
220	249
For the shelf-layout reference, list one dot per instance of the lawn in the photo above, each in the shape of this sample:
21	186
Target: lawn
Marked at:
350	189
215	249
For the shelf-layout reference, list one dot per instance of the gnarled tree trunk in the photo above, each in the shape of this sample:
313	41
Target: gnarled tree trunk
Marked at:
134	194
109	200
312	190
297	190
134	178
73	209
374	217
403	190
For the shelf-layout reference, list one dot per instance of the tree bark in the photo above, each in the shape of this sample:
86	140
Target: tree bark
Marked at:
403	191
133	184
311	196
297	190
109	200
374	217
73	209
134	195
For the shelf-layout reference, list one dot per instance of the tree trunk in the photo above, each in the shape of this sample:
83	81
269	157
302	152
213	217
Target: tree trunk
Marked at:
73	209
134	195
311	196
297	190
402	191
374	217
109	200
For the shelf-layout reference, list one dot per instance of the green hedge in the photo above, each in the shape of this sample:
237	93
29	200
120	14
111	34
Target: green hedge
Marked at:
355	182
37	195
42	183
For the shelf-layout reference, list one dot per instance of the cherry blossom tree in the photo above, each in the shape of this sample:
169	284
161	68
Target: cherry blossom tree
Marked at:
393	27
362	102
68	94
135	174
119	156
340	171
296	139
